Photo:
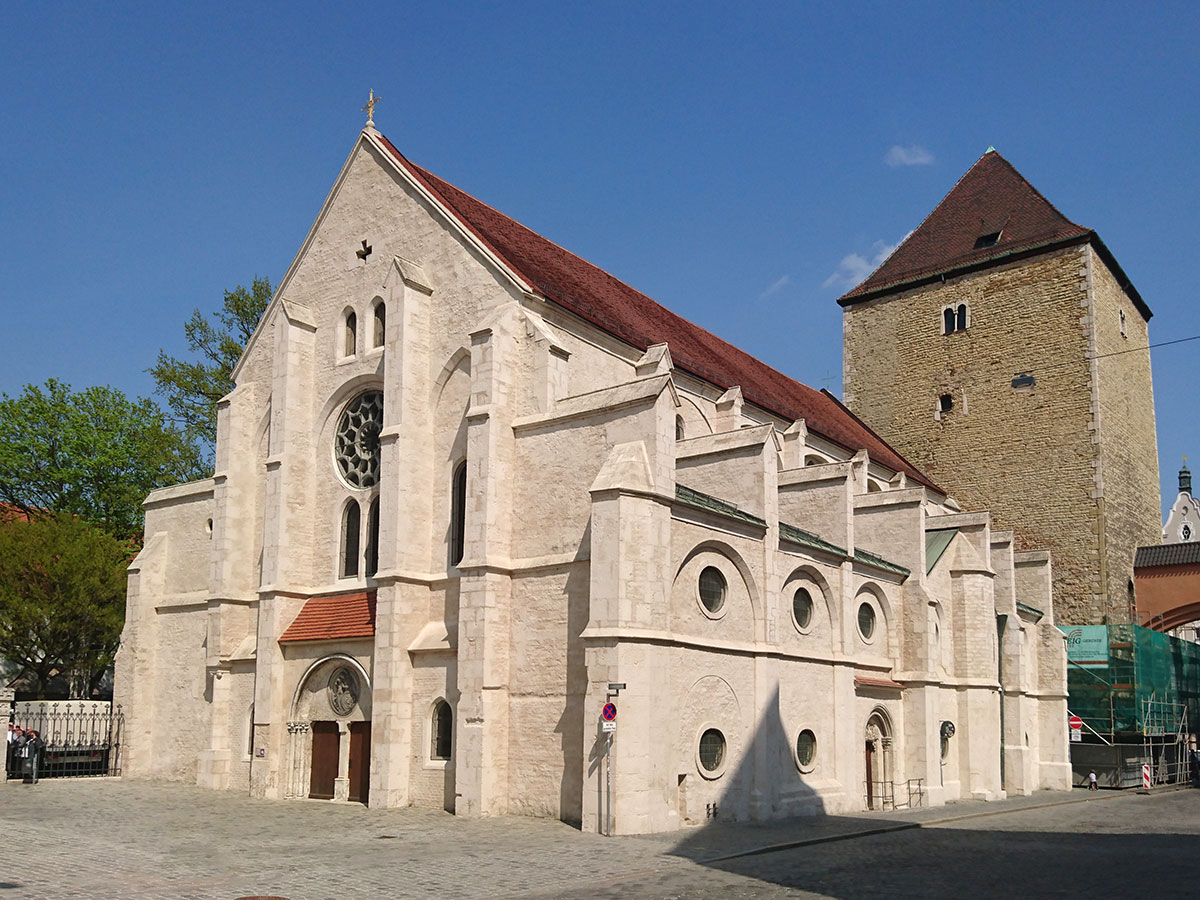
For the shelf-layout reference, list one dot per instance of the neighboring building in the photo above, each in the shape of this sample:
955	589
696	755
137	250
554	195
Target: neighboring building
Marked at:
989	350
468	483
1183	520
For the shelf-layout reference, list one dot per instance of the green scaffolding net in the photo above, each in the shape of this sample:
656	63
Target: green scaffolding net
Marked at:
1126	679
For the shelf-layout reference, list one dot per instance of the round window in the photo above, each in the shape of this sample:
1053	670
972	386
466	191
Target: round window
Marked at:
802	607
712	750
866	620
806	748
356	443
712	589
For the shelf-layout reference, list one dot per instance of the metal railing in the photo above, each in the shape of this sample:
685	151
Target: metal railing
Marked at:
78	738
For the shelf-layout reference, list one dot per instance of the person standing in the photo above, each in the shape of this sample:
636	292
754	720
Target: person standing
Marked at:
1092	780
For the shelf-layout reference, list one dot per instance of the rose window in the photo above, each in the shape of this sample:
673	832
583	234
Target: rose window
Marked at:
356	444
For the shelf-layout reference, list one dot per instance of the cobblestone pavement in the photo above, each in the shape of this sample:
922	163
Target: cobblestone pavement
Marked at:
110	838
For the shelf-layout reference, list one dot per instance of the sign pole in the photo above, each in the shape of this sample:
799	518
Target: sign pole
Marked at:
608	786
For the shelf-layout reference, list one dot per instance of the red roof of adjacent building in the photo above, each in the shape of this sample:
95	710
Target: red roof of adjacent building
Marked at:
333	618
613	306
992	198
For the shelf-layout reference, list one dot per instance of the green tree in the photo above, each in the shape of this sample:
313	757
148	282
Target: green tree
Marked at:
62	598
93	453
193	387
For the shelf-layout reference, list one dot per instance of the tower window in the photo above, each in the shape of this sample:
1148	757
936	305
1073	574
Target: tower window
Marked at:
679	429
954	318
945	403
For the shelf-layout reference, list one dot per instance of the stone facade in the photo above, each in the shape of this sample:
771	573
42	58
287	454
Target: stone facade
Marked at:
289	629
1066	458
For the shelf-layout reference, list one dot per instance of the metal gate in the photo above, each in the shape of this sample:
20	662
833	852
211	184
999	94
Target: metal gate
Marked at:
79	737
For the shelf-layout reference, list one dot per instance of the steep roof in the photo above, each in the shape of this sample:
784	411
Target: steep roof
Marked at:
992	198
613	306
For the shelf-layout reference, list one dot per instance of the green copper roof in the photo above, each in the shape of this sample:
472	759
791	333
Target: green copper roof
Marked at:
697	500
870	559
1026	608
803	538
936	542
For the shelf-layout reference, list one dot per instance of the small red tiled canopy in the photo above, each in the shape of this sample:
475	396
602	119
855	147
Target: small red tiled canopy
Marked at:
338	617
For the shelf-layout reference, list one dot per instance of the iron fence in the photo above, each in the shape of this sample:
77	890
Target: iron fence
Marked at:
79	737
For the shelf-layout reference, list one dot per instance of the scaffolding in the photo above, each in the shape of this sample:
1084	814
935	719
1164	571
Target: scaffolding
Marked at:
1138	693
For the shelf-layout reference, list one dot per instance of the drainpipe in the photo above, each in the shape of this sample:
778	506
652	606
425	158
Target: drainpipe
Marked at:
1001	621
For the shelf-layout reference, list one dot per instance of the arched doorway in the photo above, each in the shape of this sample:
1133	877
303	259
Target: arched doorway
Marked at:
329	732
879	762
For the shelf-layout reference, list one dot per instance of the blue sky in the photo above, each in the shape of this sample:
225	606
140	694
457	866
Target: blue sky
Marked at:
740	163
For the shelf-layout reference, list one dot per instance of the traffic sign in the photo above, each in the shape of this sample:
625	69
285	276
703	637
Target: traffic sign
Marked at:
1075	722
608	725
609	713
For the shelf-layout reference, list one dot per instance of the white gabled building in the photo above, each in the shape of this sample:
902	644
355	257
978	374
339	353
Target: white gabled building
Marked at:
467	481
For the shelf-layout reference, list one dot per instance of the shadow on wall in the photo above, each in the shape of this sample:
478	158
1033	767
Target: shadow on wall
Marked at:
761	779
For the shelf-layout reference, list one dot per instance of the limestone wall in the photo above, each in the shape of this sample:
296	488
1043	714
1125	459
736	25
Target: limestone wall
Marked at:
1128	460
1026	455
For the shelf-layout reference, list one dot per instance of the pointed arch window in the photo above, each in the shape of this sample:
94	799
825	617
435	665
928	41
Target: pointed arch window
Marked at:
350	345
372	559
442	731
379	331
458	514
351	518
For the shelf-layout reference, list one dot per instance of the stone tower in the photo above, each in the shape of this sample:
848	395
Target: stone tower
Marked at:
991	350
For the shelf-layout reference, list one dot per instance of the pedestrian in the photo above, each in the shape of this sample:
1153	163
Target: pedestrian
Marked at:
31	756
1092	780
15	737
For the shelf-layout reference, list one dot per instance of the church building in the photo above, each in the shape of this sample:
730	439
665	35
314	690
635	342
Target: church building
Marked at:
492	532
1003	351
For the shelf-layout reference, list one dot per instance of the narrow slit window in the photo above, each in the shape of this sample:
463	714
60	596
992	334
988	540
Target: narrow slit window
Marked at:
380	331
443	731
373	537
679	429
961	318
458	514
350	524
351	343
947	321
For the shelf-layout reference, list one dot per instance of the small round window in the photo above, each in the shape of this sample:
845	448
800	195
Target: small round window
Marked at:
712	750
806	749
802	608
356	443
712	589
866	620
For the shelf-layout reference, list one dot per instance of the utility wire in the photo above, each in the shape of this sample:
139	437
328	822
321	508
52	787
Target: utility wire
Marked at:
1040	369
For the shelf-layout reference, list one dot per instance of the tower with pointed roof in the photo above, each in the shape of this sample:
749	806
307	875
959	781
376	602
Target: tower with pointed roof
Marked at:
990	349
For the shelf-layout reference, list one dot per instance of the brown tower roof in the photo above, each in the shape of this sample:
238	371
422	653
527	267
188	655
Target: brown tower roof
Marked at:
992	215
613	306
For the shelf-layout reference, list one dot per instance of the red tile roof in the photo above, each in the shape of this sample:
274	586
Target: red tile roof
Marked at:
334	618
613	306
991	197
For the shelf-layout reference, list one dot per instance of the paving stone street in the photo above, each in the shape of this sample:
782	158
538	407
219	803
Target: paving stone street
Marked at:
111	838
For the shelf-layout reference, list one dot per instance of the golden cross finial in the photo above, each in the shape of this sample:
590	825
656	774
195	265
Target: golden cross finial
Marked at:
370	108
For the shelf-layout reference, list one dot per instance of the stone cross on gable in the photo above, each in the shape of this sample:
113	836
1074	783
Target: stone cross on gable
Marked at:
370	107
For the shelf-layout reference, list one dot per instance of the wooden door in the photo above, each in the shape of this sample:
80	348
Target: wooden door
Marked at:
360	761
324	760
870	775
